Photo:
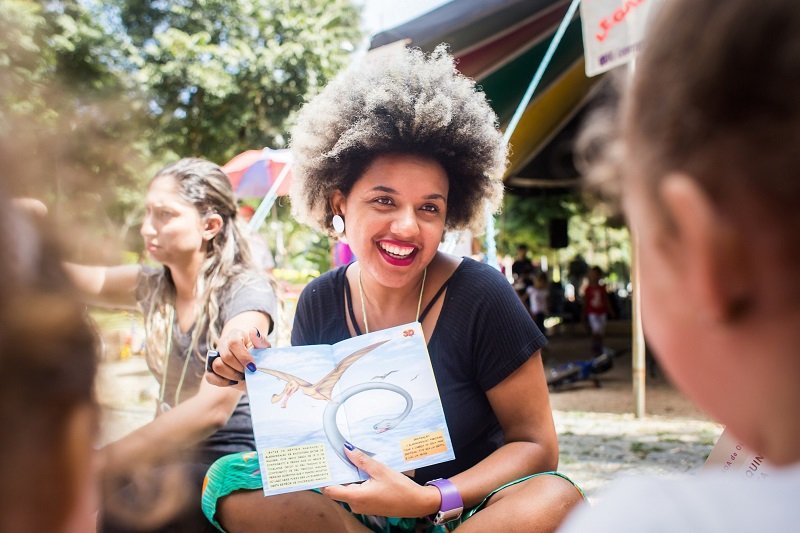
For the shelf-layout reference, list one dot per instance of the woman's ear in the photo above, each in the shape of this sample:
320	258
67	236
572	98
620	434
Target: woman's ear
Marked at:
337	203
213	225
708	248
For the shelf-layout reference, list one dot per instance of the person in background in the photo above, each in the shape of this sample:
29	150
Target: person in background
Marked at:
538	295
392	154
596	308
48	359
206	294
341	254
710	181
522	267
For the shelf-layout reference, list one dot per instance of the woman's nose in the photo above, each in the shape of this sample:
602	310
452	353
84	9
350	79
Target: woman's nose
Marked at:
147	229
406	223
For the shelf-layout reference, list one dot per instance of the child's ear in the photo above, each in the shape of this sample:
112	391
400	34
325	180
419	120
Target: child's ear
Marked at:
709	246
212	225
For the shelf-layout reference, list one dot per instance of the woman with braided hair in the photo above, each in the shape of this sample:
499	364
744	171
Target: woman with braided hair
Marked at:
207	294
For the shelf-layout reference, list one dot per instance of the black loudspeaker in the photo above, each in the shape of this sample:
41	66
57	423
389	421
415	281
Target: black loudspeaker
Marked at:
558	233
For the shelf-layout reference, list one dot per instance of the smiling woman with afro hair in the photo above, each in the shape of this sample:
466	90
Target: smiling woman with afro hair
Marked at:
390	155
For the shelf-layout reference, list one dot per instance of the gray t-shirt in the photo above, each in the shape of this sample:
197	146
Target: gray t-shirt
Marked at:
249	291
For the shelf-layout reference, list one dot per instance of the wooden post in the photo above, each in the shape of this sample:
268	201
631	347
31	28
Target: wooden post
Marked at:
637	342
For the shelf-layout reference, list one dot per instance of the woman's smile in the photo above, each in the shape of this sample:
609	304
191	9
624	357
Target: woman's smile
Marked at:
397	253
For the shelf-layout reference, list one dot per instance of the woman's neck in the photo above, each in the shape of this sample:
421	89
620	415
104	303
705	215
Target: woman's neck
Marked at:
389	306
185	275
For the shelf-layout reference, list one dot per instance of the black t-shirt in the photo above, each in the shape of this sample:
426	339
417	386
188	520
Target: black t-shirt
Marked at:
483	334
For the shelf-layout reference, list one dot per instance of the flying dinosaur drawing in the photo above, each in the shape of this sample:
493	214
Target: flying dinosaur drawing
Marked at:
383	376
322	389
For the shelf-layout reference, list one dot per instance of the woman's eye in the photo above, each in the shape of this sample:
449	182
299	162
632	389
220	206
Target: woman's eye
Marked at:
383	200
431	208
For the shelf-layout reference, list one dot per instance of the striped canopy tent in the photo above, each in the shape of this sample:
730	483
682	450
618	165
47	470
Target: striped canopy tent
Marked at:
500	44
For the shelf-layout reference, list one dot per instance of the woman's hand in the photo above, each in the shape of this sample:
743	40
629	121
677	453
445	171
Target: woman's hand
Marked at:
386	492
234	359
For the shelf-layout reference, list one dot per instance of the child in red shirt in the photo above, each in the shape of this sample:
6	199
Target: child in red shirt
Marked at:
596	308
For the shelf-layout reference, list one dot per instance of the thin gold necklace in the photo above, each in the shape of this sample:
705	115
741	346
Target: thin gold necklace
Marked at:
364	307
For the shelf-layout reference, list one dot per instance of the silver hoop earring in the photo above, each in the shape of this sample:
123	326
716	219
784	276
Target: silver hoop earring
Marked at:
338	223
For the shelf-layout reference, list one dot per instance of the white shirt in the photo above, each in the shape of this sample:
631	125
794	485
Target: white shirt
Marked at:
707	502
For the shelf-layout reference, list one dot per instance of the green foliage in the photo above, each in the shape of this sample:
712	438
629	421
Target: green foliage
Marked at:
600	240
223	76
68	130
95	95
526	219
294	245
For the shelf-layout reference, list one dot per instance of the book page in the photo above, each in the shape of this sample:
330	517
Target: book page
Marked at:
391	405
289	394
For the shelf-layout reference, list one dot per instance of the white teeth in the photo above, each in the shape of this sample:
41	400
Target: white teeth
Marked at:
400	251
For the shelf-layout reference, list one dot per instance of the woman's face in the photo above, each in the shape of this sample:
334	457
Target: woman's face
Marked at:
394	217
172	228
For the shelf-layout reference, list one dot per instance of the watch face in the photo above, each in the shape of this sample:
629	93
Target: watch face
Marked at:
442	517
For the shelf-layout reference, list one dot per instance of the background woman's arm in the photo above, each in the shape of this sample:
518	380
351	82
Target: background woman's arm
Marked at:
189	422
105	285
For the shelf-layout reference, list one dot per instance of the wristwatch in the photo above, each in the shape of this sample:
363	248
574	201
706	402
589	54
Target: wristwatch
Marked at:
452	504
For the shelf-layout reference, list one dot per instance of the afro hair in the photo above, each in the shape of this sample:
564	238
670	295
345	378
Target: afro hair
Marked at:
407	103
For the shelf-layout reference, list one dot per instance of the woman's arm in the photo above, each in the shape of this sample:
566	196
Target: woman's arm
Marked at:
174	431
522	406
105	285
191	421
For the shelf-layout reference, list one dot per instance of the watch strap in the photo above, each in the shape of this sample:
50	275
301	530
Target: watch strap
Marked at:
452	505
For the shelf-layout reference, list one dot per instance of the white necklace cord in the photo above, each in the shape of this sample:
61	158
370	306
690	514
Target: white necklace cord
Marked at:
364	307
168	351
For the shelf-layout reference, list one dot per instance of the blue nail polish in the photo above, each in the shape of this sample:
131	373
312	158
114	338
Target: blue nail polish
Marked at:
232	382
251	367
349	446
258	333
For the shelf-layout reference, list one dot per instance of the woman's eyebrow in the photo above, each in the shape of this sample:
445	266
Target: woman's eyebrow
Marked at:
384	188
436	196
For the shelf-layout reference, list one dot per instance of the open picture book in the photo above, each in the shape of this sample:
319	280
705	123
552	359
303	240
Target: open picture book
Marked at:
376	391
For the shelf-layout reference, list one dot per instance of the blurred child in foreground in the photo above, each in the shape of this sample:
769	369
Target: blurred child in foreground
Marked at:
48	359
711	185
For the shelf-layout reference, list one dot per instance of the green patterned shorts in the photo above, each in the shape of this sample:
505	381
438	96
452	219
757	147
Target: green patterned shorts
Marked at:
240	471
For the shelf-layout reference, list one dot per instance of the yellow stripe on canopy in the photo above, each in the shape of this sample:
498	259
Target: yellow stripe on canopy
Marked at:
546	113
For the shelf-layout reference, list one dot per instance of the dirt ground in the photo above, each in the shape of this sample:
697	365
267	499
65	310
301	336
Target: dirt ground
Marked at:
615	394
599	438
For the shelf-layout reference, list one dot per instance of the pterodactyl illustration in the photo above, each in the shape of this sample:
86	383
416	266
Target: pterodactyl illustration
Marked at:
382	376
322	389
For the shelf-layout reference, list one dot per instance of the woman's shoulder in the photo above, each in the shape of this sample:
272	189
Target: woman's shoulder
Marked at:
328	283
248	278
148	281
478	275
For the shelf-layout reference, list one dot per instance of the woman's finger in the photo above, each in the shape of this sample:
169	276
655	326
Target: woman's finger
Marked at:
374	469
234	351
258	339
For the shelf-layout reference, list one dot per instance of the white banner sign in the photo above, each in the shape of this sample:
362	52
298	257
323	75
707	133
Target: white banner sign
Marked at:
613	31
